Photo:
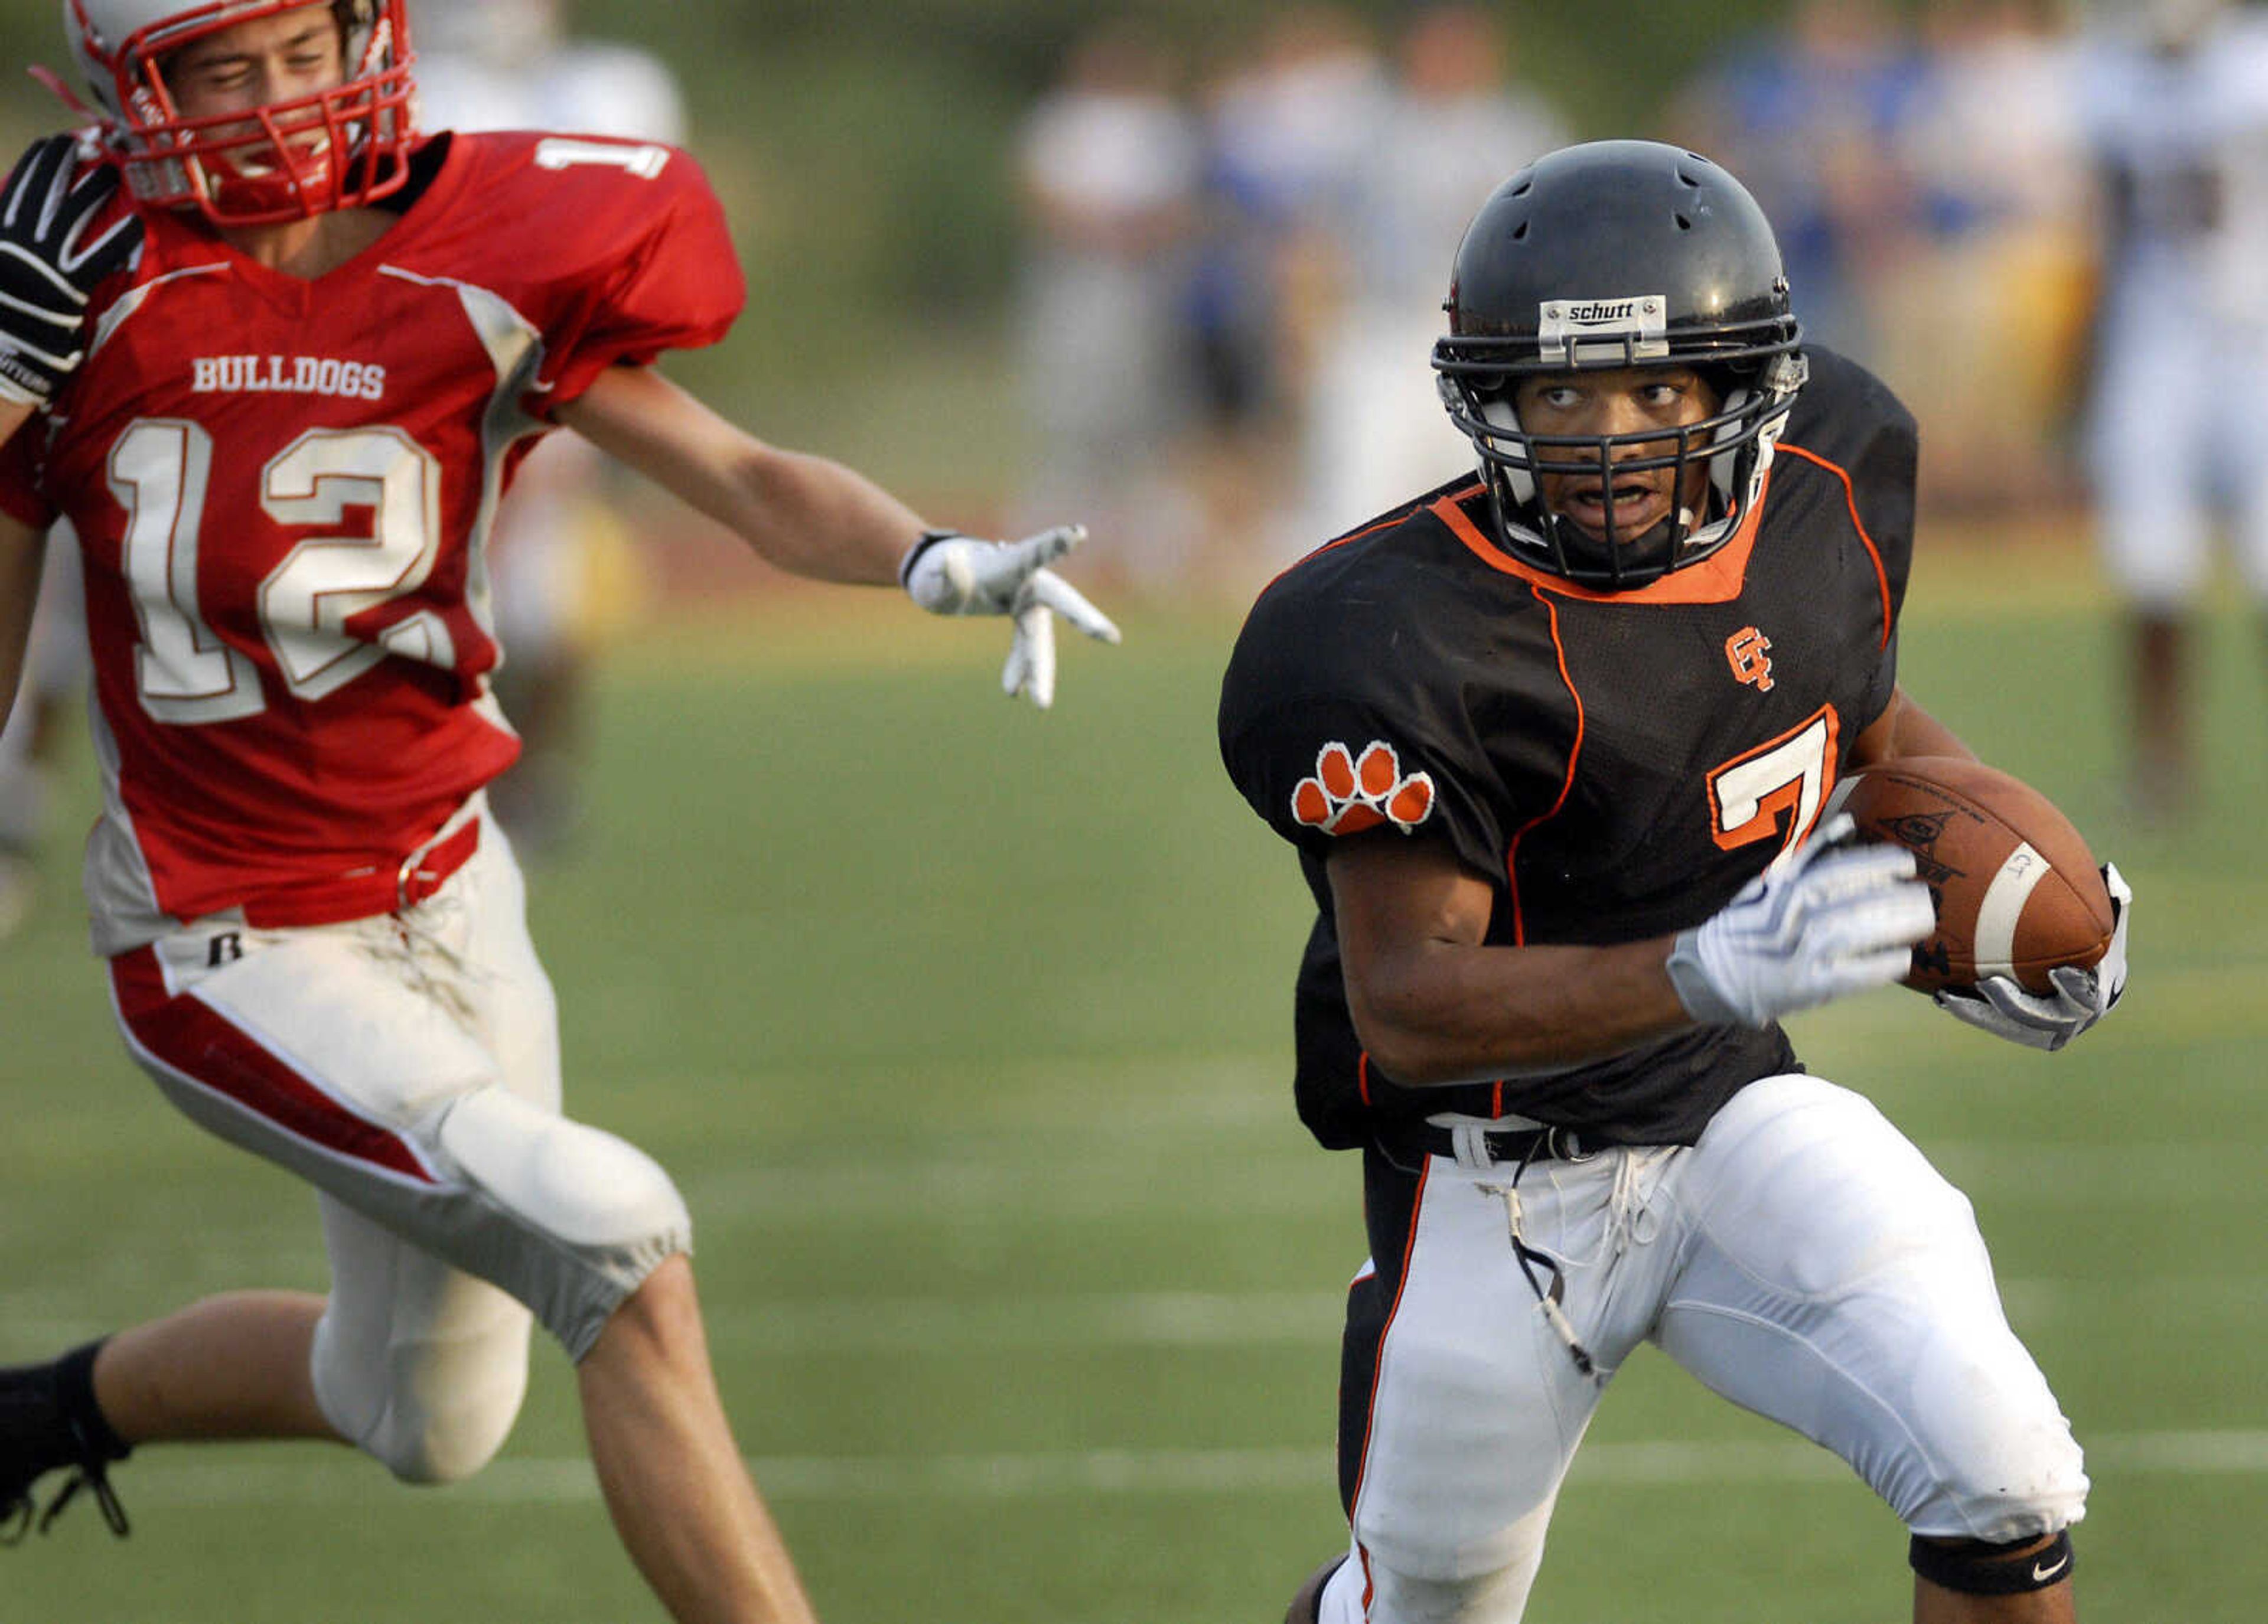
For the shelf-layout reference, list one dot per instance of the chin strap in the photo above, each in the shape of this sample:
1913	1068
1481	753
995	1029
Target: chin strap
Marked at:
1634	561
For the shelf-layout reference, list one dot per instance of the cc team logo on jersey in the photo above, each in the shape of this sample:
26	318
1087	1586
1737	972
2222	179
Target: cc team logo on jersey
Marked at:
1748	651
1349	794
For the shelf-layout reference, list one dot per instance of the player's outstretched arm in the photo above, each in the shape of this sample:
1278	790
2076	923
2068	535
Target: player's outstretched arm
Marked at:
809	515
814	517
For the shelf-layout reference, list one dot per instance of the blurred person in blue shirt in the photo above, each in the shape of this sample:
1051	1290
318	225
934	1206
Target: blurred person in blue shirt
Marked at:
1807	114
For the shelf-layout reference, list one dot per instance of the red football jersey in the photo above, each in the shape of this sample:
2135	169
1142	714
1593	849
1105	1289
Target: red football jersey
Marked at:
283	489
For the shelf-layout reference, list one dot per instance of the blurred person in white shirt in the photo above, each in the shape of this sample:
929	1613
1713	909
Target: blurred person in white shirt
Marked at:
565	575
1107	171
2176	99
1453	127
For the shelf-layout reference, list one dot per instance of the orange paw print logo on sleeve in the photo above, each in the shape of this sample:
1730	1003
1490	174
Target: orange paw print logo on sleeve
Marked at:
1350	793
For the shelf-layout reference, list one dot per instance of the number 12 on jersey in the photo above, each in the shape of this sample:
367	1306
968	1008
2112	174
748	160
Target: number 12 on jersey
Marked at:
185	672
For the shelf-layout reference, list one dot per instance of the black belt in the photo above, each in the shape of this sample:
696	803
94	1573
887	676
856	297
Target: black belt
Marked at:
1407	1144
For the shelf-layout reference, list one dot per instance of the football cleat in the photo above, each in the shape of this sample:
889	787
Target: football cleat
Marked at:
39	1435
1307	1600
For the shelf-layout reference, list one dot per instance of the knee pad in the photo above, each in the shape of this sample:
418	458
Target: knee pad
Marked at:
429	1408
1974	1567
587	1216
1497	1597
1997	1461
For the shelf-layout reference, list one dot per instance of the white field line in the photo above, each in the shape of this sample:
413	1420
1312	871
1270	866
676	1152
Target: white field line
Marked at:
1219	1319
915	1327
990	1186
200	1479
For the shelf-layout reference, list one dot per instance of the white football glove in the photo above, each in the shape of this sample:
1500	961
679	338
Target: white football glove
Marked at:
2081	997
948	573
1830	919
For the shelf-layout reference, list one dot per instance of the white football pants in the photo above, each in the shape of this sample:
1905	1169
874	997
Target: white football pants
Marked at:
407	1066
1803	1259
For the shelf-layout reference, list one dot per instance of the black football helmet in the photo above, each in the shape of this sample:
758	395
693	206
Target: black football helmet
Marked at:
1620	254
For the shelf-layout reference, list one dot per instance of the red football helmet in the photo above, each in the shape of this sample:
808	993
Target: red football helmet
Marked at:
289	160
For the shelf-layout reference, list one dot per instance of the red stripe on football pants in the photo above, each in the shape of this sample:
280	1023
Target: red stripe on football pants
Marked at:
190	1037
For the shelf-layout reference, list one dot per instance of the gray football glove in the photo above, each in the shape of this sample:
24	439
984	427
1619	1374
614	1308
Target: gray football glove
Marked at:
2081	997
948	573
1831	918
47	268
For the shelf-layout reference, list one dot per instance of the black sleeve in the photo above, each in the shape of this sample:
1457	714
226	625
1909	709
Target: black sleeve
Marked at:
1328	737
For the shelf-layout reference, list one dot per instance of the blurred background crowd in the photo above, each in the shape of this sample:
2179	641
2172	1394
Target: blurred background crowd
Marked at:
1253	254
1173	269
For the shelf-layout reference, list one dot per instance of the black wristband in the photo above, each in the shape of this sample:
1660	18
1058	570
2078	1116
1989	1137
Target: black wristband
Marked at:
927	540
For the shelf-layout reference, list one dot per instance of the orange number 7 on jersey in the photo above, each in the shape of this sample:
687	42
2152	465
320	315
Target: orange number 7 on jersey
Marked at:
1777	788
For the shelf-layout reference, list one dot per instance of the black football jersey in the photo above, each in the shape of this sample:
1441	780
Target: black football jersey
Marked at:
1616	764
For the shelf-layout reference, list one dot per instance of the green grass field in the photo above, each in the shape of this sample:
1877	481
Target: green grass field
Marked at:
965	1031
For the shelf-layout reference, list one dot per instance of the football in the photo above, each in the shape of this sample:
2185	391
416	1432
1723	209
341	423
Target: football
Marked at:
2017	891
